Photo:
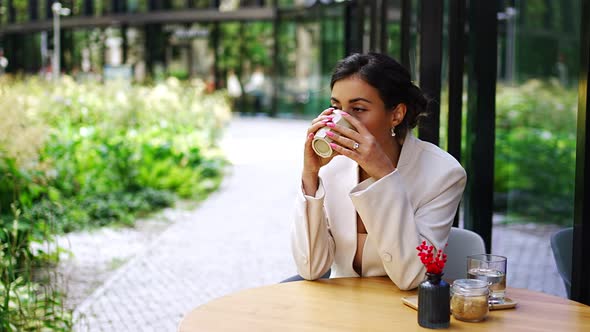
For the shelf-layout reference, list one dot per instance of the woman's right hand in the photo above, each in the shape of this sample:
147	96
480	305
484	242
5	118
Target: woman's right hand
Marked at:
311	161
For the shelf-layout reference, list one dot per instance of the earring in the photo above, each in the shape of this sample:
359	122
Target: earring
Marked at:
392	131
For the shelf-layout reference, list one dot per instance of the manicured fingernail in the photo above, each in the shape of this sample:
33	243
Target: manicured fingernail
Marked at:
329	133
332	145
344	113
330	124
311	135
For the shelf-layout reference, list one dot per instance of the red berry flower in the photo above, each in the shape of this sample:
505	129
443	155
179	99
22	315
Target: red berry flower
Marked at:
434	263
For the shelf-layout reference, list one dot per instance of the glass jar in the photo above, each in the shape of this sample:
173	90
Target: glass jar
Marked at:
469	299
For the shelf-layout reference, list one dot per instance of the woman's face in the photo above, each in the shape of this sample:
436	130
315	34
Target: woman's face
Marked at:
359	99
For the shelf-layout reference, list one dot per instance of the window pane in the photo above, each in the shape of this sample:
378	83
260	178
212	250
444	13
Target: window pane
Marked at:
536	109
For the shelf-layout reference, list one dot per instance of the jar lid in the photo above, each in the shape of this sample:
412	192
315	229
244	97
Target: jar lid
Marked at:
469	286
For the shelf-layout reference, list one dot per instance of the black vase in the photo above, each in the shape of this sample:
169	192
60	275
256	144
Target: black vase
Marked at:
434	308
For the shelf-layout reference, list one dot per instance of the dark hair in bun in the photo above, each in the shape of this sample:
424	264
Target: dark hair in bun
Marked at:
392	81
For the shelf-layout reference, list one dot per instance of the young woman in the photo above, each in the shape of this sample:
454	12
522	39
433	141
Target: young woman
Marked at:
363	211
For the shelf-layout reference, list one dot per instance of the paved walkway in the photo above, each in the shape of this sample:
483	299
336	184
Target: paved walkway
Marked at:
239	238
530	259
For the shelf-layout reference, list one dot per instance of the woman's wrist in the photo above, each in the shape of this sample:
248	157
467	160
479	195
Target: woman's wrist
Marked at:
384	172
310	182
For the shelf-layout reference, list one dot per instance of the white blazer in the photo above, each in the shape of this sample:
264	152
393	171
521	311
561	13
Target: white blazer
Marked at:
415	202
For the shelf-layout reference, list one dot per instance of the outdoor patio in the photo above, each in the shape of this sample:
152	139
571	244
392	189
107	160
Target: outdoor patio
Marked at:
237	239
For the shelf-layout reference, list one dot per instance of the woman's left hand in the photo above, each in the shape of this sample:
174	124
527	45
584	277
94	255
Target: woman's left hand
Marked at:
360	146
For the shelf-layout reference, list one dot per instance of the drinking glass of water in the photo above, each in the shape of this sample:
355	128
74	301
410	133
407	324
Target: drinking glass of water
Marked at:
491	269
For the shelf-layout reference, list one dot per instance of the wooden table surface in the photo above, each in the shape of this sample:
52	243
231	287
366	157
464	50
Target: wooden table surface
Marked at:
368	304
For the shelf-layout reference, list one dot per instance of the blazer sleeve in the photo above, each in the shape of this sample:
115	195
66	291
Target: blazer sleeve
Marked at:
312	243
398	229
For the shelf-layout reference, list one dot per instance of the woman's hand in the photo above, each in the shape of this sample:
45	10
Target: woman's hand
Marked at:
311	161
360	146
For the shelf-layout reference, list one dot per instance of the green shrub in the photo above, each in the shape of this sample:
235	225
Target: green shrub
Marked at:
76	156
535	151
88	139
97	210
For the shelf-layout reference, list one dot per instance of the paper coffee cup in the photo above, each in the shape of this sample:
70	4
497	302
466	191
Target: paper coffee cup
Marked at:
321	141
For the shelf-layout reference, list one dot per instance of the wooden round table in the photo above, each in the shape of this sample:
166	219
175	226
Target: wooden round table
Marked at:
368	304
